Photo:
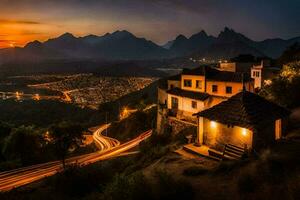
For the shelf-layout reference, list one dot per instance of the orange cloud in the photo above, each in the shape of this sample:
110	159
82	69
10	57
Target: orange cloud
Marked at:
9	21
19	32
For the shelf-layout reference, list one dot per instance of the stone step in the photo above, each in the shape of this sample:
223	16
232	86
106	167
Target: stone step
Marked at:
234	152
236	147
219	155
199	154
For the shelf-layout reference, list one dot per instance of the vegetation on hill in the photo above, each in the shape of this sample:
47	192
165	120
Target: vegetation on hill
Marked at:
44	113
285	87
291	54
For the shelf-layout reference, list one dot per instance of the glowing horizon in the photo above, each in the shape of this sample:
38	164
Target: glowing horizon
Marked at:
161	20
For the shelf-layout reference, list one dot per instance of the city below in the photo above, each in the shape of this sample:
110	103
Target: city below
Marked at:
131	100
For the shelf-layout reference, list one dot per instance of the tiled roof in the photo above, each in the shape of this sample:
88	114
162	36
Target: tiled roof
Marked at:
245	109
212	74
189	94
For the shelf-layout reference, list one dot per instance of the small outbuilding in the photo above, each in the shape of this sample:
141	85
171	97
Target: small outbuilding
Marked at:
245	120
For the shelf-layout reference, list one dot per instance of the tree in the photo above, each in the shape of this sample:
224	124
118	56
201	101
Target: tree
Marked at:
24	144
66	136
285	88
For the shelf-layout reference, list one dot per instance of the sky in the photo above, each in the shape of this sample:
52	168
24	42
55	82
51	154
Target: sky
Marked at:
22	21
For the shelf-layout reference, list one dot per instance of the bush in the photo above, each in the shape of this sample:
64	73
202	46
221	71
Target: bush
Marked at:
155	147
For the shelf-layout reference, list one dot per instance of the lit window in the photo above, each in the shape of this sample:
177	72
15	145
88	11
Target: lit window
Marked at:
228	90
187	83
198	84
194	104
257	73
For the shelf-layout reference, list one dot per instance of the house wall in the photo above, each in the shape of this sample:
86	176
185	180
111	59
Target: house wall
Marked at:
207	86
266	135
216	135
193	87
257	80
236	88
174	84
162	96
185	106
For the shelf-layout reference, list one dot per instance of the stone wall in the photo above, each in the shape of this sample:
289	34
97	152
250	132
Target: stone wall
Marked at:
178	126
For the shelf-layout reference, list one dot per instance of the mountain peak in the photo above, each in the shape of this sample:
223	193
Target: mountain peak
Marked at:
230	35
122	33
67	35
201	34
228	31
33	44
181	37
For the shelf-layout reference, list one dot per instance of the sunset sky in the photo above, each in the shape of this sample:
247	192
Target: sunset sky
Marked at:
22	21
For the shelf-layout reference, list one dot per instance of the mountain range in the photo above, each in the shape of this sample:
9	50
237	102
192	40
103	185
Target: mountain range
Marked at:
123	45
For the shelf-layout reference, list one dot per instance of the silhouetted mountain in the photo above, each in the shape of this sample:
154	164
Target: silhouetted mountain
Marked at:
275	47
120	45
291	54
123	45
183	46
168	44
229	44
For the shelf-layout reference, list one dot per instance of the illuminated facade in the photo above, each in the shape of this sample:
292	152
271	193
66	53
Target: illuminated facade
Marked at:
263	73
245	120
197	89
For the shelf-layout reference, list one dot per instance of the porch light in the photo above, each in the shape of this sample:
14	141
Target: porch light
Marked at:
213	124
244	132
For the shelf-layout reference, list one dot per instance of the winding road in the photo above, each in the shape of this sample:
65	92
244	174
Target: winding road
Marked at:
104	142
109	148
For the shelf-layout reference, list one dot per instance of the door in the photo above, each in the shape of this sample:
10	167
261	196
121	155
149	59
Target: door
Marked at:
174	103
278	129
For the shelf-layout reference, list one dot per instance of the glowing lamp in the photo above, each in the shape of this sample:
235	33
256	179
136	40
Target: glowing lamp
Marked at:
213	124
244	132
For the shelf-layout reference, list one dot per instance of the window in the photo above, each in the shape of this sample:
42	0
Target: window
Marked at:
228	90
214	88
174	103
257	74
199	84
253	75
194	104
187	83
